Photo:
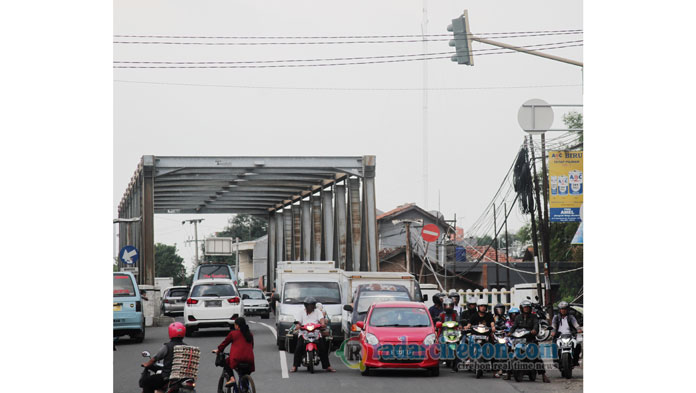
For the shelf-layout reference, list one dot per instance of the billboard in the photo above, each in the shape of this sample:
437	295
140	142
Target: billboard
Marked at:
565	185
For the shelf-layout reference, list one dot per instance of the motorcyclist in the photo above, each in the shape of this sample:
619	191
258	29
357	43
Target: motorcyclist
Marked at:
470	311
482	316
154	382
529	321
436	308
241	342
454	295
564	323
499	316
513	312
448	312
310	314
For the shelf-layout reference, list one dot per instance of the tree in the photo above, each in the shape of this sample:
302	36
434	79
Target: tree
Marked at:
245	227
169	264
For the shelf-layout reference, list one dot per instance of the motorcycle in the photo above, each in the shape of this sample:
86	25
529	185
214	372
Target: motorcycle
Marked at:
517	344
452	336
182	385
311	333
480	335
566	346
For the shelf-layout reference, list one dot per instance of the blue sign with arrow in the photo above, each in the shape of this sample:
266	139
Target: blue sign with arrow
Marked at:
129	255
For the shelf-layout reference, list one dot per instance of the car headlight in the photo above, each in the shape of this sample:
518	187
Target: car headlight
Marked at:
371	339
286	318
430	339
336	318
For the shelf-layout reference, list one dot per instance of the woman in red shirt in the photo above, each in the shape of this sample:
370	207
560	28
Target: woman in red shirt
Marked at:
241	348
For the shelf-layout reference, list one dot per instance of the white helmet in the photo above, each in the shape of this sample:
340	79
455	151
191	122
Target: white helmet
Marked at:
481	302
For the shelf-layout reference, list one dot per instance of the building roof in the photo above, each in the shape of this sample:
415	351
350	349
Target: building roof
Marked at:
411	206
474	253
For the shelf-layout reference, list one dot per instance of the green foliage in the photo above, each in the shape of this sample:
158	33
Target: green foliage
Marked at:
574	120
524	234
115	264
169	264
245	227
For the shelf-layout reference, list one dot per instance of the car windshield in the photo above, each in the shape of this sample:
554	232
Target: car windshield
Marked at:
214	271
255	295
123	285
178	293
369	298
399	317
213	290
324	292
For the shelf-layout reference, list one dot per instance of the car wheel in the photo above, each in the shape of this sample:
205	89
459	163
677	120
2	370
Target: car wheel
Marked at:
281	344
190	330
265	316
366	372
139	337
435	371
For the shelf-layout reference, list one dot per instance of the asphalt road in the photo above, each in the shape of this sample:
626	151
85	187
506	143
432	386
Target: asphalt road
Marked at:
271	377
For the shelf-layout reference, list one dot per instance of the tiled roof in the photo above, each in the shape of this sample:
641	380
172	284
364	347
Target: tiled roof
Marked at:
397	210
474	253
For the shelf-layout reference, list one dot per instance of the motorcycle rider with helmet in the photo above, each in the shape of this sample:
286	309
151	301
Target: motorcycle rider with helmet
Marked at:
154	382
564	323
482	316
448	312
529	321
436	308
454	295
499	316
310	314
470	310
513	312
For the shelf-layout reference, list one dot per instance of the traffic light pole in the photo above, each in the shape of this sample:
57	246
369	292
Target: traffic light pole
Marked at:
527	51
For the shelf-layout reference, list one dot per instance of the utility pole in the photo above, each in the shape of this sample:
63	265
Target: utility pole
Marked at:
195	230
236	265
507	247
495	240
547	228
535	241
408	223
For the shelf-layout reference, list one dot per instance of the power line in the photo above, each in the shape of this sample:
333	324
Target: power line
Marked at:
344	88
380	41
336	58
569	31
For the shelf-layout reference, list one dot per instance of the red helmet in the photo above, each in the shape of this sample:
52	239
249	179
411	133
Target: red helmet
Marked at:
177	329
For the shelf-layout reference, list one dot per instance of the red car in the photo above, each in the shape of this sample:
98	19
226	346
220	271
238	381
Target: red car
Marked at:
398	335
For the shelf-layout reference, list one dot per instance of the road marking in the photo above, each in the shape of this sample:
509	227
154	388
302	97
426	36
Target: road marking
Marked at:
283	358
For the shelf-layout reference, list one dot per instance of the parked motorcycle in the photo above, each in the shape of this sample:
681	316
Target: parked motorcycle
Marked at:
480	335
566	346
183	385
311	333
452	337
517	344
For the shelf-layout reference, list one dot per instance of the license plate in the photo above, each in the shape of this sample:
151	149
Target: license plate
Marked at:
117	307
213	303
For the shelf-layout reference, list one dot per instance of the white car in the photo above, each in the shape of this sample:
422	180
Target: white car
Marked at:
212	303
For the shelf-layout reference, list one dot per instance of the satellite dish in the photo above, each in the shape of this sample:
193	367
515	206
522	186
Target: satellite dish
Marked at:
535	119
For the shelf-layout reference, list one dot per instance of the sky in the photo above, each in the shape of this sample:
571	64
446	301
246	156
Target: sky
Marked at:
473	134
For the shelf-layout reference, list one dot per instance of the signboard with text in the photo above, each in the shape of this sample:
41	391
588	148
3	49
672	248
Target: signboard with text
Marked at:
565	185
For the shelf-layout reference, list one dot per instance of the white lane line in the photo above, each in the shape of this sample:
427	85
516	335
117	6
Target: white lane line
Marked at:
283	358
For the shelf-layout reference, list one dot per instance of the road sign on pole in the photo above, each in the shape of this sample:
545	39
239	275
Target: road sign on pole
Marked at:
430	233
535	116
128	255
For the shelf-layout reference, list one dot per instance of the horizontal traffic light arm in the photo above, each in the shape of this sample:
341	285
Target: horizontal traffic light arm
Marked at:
528	51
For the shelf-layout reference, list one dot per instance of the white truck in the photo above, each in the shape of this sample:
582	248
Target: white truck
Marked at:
352	280
295	281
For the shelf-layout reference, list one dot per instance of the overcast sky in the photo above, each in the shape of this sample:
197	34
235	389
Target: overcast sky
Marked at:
473	134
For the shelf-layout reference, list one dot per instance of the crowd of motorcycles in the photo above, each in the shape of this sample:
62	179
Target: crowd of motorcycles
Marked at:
453	333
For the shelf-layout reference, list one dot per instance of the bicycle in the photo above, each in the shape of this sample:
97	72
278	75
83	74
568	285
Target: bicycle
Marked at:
243	383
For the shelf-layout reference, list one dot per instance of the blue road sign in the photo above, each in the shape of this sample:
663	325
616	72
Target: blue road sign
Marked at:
129	255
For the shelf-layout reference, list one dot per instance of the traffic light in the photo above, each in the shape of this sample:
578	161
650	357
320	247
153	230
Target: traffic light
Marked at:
462	39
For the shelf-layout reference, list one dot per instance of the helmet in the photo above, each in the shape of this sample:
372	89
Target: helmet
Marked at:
470	300
563	305
454	295
437	298
310	300
447	303
526	303
513	310
177	329
499	309
482	302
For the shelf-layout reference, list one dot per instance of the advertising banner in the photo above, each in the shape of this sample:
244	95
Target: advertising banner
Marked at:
565	185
